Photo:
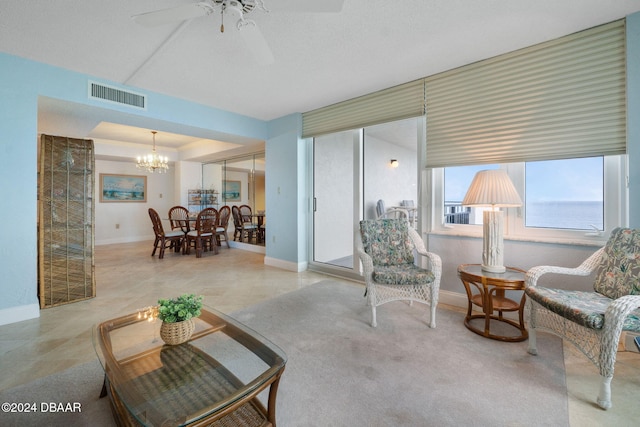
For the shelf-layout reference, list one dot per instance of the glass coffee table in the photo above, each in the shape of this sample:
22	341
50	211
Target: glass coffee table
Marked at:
213	379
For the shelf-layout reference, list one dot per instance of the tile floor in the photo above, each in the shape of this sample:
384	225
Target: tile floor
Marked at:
128	278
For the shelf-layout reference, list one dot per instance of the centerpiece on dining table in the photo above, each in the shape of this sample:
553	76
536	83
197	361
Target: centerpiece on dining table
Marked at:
177	317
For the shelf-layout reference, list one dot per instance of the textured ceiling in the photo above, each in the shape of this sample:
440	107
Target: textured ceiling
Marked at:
320	58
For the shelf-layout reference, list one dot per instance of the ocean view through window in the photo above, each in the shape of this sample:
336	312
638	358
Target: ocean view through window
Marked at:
558	194
574	215
565	194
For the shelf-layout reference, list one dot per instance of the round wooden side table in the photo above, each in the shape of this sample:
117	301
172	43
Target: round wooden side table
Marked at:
487	291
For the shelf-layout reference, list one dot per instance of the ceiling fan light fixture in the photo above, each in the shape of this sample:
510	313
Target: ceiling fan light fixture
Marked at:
237	8
250	33
245	6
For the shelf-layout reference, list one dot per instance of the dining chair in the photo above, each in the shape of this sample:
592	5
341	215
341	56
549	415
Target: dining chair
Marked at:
247	219
246	213
411	211
172	239
262	231
223	222
179	218
242	228
380	208
202	237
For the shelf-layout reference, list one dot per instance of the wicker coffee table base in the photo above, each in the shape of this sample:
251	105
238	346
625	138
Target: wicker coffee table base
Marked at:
248	414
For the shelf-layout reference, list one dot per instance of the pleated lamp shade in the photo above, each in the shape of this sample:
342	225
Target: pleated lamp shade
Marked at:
492	188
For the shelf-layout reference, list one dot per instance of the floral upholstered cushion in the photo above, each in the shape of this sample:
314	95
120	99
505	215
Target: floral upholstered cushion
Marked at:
387	241
402	274
619	271
585	308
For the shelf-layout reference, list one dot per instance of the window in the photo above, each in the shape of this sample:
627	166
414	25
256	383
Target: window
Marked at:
456	182
566	194
574	199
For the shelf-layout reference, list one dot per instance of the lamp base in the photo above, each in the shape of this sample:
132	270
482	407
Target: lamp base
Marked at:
493	245
494	268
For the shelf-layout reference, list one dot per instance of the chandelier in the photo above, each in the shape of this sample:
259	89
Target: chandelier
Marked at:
153	162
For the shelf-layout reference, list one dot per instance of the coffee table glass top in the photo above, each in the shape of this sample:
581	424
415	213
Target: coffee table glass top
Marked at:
222	363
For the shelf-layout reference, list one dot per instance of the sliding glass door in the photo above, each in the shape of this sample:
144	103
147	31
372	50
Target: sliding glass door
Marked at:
333	187
352	171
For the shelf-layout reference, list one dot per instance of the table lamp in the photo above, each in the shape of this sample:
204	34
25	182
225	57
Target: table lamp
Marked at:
492	188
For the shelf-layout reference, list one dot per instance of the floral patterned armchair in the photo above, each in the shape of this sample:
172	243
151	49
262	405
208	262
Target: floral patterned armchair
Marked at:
594	320
386	251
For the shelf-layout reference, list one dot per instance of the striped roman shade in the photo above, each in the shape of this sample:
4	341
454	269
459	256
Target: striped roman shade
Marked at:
395	103
559	99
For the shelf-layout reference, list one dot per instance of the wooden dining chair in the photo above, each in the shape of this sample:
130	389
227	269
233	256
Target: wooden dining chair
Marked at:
246	213
179	218
223	222
242	228
203	236
252	229
172	239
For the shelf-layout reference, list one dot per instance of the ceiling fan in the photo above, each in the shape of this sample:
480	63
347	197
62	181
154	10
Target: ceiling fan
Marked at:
238	9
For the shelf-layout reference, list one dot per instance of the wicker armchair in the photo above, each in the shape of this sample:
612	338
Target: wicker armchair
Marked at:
592	321
386	251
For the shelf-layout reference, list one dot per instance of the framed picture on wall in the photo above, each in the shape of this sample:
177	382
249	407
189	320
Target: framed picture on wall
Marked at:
123	188
231	191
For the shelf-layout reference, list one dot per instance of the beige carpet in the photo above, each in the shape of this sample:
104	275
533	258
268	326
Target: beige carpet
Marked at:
342	372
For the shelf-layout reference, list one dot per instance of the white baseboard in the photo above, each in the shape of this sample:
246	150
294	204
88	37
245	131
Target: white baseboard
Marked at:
286	265
126	240
19	313
455	299
245	247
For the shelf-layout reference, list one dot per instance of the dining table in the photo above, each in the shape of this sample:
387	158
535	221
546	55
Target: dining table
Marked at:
259	218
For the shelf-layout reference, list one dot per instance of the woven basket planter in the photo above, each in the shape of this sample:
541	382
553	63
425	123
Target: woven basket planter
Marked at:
177	332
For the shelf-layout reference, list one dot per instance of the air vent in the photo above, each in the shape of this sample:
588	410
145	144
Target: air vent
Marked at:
119	96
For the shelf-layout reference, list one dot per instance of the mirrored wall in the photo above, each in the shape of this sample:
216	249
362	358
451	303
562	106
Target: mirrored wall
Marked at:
240	182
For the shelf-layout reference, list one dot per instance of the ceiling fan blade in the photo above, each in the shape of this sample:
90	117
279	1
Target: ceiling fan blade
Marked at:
314	6
256	43
174	14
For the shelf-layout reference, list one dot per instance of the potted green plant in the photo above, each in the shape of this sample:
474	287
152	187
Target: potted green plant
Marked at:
177	317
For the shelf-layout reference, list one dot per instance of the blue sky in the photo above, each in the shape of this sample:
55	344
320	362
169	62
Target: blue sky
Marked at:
571	179
551	180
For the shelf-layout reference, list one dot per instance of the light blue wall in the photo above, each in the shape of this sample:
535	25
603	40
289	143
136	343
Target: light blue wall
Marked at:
21	83
286	193
18	188
633	116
